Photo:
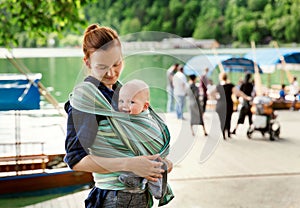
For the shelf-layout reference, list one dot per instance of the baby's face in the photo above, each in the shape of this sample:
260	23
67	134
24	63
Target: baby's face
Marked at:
132	103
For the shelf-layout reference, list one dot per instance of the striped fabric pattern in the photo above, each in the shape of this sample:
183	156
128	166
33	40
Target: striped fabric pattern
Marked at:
121	135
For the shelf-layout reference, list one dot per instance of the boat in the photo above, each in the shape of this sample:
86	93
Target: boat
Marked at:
36	175
32	172
286	104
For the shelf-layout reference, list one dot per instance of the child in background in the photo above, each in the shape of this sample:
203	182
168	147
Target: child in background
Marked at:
282	92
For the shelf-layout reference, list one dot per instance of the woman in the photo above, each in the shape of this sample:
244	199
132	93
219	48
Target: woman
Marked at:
195	107
224	107
247	88
103	58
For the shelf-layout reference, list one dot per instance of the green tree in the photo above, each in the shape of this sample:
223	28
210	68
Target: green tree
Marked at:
37	18
256	5
244	30
210	20
186	21
29	23
293	28
130	26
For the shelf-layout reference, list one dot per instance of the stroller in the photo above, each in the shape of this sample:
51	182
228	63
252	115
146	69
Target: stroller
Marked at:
264	118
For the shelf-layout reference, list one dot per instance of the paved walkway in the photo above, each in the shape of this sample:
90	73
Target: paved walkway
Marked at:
237	173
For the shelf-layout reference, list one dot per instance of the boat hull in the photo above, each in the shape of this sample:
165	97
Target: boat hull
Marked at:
44	183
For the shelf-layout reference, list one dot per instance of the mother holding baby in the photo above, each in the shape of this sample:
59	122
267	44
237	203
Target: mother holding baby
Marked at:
89	119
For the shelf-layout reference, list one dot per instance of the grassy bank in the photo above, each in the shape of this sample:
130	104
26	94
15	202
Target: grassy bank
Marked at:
25	201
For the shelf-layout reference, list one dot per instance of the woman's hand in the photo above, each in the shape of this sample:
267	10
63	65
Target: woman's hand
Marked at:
145	166
249	98
169	164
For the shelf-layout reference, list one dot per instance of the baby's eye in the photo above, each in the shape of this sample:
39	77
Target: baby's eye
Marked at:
102	68
121	101
132	102
118	63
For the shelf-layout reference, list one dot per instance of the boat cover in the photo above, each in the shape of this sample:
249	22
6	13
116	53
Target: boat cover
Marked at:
239	64
268	58
19	92
197	64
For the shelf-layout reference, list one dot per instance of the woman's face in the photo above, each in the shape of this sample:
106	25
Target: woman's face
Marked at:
106	65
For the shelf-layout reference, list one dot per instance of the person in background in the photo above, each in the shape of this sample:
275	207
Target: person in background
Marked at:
203	89
170	88
211	87
103	59
180	90
194	104
282	93
247	88
294	90
224	107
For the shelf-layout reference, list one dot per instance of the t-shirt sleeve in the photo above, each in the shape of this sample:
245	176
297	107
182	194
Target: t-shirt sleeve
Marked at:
81	133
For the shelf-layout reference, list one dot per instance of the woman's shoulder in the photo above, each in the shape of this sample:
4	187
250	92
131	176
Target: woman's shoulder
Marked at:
226	85
67	106
231	84
92	80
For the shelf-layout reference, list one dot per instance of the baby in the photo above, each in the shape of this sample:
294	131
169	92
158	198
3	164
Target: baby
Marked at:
134	99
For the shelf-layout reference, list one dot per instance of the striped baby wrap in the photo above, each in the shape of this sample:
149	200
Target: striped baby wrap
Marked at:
121	134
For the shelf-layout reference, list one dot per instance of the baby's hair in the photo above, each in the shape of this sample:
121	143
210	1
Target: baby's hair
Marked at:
139	86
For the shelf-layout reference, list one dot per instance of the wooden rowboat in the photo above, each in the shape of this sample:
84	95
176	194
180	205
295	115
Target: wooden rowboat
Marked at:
30	175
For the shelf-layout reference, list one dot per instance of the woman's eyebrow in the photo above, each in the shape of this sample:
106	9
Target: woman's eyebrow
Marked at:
101	65
105	66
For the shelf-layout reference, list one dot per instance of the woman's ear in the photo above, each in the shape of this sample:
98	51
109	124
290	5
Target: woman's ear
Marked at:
87	63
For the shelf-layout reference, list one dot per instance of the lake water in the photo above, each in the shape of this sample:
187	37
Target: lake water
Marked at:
60	74
61	69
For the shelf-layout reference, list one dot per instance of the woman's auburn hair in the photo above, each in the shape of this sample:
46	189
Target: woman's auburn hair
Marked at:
96	37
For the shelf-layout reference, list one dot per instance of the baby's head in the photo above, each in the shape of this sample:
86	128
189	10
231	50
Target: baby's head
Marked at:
134	97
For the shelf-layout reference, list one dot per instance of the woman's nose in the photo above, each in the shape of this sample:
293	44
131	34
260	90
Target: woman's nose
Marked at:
110	72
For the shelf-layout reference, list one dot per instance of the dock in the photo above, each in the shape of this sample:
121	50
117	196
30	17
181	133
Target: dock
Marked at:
210	172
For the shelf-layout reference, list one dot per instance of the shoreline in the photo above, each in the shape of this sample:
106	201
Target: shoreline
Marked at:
77	52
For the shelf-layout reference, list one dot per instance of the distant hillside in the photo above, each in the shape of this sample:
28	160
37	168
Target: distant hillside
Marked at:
227	21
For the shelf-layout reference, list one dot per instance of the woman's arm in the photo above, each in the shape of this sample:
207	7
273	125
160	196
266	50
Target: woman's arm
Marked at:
80	129
144	166
239	93
212	92
169	164
79	160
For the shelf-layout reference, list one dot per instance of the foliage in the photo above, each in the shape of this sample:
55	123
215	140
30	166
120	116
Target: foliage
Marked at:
37	18
28	23
227	21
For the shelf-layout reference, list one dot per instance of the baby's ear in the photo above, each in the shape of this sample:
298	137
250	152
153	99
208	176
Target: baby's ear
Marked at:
146	105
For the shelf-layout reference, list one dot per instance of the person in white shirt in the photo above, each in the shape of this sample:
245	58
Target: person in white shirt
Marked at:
180	85
294	90
170	88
